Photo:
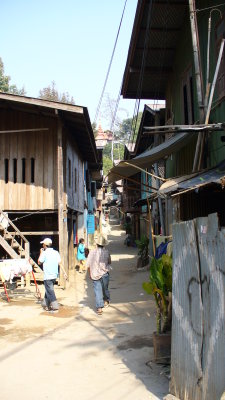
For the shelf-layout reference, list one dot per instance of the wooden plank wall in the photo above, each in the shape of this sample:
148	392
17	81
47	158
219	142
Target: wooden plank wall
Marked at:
41	146
198	331
75	191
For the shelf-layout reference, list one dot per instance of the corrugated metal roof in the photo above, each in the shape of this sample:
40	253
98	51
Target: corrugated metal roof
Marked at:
194	181
166	20
149	157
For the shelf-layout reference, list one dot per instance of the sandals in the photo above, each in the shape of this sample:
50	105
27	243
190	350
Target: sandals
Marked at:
99	311
106	303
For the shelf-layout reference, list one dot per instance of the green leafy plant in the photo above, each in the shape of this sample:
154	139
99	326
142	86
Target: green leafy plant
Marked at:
160	285
143	246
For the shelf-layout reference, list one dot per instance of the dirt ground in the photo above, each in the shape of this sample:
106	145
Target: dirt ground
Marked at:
77	353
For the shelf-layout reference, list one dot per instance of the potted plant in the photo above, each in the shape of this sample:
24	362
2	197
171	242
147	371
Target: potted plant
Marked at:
160	285
143	251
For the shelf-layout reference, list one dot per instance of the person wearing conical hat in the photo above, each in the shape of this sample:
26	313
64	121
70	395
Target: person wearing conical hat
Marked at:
98	265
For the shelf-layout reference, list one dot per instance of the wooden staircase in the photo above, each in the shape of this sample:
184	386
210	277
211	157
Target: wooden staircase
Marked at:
15	244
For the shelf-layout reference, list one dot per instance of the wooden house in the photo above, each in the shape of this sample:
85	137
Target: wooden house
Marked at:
161	66
47	154
177	54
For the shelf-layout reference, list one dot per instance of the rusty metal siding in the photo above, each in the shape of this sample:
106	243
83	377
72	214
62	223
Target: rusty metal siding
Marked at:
198	331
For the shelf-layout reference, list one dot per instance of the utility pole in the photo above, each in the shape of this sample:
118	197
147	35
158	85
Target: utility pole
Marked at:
198	75
112	148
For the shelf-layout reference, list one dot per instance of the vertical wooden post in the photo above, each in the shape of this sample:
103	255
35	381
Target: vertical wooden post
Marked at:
27	256
151	237
61	221
156	142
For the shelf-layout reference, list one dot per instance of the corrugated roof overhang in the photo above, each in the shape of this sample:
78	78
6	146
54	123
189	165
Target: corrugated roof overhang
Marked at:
149	157
75	118
155	59
194	181
186	183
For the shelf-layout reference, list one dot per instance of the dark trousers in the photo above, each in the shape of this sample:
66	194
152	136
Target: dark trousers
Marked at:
50	298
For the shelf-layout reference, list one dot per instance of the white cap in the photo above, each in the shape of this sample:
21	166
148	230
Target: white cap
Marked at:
47	241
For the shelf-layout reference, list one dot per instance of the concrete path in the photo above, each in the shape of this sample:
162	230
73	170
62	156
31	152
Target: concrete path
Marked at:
78	354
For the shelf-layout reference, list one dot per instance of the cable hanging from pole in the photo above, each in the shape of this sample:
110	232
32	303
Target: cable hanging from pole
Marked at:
110	63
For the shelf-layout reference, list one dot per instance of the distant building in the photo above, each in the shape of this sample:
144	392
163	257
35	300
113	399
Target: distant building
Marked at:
102	137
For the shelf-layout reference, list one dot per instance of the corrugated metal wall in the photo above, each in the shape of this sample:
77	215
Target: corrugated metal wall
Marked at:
198	331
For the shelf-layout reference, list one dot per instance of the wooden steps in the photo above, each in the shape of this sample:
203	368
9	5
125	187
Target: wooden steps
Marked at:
15	244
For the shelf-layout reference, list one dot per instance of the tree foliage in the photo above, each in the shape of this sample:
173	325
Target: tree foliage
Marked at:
5	82
129	128
107	164
51	93
118	151
95	130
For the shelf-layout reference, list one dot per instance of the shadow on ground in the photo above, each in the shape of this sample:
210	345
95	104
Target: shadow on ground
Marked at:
127	325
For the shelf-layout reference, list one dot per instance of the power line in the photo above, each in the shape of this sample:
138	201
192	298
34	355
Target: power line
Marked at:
140	82
110	63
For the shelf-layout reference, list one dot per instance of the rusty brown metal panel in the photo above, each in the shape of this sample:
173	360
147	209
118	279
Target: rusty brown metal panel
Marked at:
186	372
212	259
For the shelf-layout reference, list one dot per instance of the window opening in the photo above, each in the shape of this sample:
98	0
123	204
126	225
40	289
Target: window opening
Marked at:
6	170
69	168
185	104
14	170
192	99
32	169
188	98
23	170
75	177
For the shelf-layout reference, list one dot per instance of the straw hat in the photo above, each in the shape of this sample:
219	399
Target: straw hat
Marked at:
101	241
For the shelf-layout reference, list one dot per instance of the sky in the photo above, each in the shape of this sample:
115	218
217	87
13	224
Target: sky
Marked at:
70	42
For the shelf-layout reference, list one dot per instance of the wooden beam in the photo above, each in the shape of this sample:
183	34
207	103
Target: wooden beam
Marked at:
46	233
25	130
60	197
151	70
135	181
141	48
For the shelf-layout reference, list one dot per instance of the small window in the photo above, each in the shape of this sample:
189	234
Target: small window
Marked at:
6	170
69	171
23	170
32	169
75	179
187	94
14	170
185	99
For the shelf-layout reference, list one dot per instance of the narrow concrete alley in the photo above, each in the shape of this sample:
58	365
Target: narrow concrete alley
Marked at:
77	353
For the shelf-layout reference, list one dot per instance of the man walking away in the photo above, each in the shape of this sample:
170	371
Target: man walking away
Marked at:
51	261
98	264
